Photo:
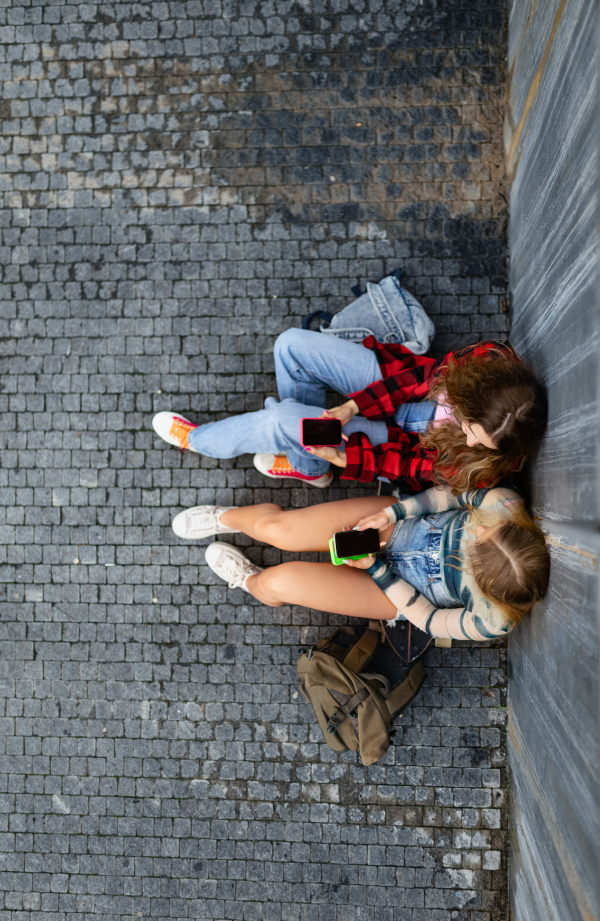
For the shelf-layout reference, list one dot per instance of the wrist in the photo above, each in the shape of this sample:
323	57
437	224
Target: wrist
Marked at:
390	515
353	407
373	567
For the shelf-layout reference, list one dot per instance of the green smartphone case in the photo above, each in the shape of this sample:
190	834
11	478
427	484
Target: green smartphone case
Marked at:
336	560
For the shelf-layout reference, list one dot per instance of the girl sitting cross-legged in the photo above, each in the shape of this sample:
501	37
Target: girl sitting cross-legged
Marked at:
467	419
465	567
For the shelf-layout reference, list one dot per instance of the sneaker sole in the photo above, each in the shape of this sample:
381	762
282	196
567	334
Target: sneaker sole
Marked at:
275	476
278	476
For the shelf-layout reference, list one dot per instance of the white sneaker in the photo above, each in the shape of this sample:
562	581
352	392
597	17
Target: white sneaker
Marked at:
230	564
174	429
202	521
278	467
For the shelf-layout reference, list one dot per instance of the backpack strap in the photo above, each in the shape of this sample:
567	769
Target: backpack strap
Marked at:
358	655
347	705
404	692
327	644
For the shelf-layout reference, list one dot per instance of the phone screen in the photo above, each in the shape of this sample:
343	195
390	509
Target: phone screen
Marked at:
352	543
321	431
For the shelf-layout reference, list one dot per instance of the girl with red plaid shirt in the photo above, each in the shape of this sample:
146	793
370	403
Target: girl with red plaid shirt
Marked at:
466	420
490	414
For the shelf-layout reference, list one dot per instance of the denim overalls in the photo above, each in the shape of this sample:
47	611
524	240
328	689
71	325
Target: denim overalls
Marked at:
413	552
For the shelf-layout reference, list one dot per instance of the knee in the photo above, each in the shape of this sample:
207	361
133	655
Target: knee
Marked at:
274	531
285	343
275	583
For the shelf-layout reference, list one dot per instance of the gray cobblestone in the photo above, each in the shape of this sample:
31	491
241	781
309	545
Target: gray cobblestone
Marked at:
179	183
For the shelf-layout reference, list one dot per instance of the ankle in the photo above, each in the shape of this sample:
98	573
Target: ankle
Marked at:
228	518
250	583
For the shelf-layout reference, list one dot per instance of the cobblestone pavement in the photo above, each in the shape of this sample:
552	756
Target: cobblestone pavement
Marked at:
180	183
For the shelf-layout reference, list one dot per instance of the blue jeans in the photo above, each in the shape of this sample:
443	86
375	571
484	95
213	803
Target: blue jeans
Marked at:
307	364
413	552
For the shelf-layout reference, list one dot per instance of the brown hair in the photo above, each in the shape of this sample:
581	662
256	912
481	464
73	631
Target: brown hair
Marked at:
498	392
511	565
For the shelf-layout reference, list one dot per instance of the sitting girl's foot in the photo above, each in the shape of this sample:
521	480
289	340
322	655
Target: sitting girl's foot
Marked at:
174	429
202	521
278	467
230	564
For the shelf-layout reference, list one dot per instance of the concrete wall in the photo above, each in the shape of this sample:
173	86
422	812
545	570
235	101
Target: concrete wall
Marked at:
551	147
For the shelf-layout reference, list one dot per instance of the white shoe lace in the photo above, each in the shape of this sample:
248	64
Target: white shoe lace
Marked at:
206	521
234	570
201	521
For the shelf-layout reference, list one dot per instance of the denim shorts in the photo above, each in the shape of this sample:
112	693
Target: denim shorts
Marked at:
413	552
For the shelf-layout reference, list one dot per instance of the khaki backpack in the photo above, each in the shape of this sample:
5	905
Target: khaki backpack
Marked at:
354	706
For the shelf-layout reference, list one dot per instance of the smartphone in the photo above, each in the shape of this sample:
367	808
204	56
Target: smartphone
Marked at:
353	545
316	433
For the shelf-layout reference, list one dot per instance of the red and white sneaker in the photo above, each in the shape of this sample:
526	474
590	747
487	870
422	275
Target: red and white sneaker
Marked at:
174	429
278	467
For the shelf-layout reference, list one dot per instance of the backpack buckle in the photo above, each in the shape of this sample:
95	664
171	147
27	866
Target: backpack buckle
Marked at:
333	723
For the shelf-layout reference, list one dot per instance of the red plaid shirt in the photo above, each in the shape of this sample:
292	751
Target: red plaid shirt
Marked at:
406	378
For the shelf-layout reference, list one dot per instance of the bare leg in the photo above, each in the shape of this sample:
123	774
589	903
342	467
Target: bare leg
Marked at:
305	528
337	589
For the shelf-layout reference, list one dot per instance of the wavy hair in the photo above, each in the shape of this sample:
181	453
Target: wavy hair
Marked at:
511	564
494	390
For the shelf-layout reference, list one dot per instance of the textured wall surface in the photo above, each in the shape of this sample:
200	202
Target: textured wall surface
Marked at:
554	714
181	182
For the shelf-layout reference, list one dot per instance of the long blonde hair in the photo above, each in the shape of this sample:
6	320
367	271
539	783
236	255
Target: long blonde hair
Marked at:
496	391
511	564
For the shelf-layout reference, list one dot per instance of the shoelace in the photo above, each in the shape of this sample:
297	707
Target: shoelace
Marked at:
233	570
180	429
200	521
237	571
282	465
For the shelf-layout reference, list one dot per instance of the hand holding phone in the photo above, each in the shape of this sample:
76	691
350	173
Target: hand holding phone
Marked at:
379	520
364	563
318	433
353	545
335	456
344	413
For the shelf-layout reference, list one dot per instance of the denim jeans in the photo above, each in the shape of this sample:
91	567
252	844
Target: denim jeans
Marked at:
413	552
307	364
